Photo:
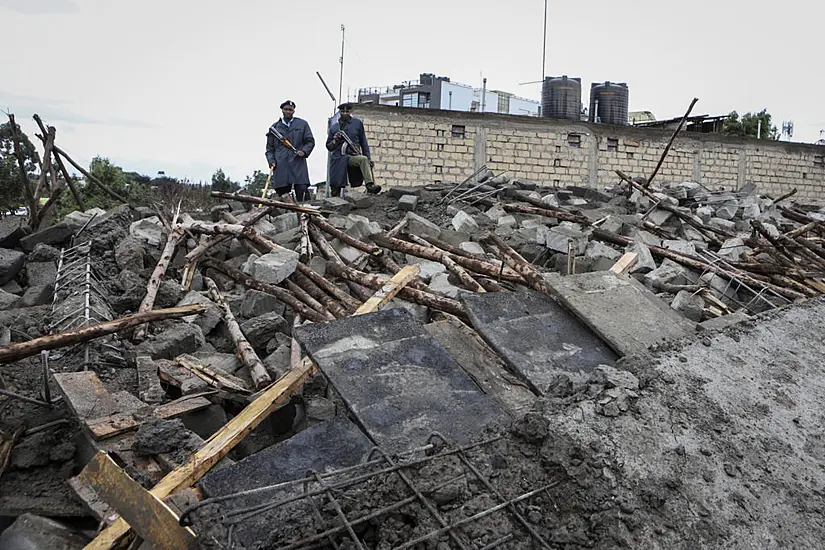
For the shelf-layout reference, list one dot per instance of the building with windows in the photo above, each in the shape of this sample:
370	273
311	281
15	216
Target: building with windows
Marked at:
438	92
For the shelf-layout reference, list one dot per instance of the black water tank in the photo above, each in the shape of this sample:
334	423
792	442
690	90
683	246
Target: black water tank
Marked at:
561	97
613	103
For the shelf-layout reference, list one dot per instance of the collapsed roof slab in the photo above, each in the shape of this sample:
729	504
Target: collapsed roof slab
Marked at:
400	384
620	310
536	336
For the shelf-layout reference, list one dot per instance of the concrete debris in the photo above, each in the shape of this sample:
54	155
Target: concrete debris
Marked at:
562	358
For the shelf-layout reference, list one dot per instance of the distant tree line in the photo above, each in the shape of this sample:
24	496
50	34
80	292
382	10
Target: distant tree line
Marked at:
140	189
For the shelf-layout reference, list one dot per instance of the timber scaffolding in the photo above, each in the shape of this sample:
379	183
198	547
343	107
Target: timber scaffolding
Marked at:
352	340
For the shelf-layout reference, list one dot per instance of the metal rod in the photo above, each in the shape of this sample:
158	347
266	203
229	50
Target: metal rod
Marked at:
24	398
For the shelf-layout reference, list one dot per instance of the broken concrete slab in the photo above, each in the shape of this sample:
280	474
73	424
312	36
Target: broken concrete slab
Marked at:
725	321
536	336
275	266
734	248
472	248
557	238
440	283
620	310
58	234
129	254
680	246
644	261
669	272
328	446
11	262
397	380
7	300
428	269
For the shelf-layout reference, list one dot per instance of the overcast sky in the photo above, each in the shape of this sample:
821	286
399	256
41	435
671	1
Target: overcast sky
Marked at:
189	86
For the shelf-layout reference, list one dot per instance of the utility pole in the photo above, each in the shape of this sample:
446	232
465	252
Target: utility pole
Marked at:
341	60
544	44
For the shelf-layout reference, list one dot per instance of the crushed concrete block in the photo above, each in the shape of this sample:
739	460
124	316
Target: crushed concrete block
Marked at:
216	211
495	212
149	230
336	204
524	184
181	337
40	273
507	221
751	212
285	222
689	304
259	330
576	201
364	224
256	303
248	265
668	273
601	256
347	252
129	254
278	362
722	287
421	226
149	388
442	285
275	266
37	295
464	222
680	246
734	248
399	192
613	224
31	532
13	288
318	264
665	198
11	262
647	237
727	211
719	223
705	213
473	248
644	261
556	238
452	210
207	320
725	321
12	230
57	234
551	200
428	269
659	216
407	203
7	300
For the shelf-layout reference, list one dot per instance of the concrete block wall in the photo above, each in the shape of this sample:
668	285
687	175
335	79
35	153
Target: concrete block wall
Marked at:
413	147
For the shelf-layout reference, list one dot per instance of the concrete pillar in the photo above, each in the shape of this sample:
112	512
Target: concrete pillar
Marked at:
697	166
593	161
480	148
743	169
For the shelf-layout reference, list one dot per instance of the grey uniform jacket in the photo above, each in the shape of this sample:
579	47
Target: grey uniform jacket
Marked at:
338	163
291	169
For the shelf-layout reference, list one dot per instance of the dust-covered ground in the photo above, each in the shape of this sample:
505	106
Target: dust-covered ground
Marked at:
715	444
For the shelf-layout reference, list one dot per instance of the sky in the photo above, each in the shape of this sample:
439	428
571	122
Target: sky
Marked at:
188	87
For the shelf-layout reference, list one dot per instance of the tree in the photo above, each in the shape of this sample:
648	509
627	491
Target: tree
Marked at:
748	125
11	184
114	178
222	183
255	183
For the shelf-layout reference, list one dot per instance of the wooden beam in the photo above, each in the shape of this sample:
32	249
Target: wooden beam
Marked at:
212	376
390	289
151	518
119	423
268	202
627	261
21	350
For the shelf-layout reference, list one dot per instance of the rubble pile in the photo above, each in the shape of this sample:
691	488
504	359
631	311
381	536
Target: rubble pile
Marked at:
219	377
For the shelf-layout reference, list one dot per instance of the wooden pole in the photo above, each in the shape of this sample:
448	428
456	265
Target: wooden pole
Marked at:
27	187
670	142
157	276
465	278
410	294
327	227
428	253
243	349
21	350
390	289
307	299
249	282
532	275
45	162
318	294
328	287
62	167
268	202
93	179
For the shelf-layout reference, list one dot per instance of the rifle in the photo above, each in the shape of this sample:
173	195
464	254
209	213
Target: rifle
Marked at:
349	143
280	137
